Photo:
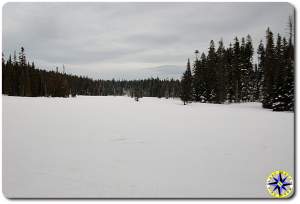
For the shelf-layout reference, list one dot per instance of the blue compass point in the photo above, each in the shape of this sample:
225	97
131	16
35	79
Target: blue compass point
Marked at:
279	183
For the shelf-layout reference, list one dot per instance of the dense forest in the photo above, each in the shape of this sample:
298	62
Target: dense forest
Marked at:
228	75
21	78
223	75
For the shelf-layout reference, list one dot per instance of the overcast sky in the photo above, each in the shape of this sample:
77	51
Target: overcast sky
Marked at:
106	40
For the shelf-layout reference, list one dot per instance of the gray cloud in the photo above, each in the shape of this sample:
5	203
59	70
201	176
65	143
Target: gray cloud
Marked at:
100	39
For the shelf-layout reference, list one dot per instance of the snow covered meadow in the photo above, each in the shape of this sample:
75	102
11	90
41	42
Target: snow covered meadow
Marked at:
156	148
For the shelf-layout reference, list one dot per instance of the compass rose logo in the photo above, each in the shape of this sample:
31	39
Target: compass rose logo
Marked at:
279	184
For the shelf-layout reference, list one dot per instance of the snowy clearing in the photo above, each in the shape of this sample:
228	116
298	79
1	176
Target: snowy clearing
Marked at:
116	147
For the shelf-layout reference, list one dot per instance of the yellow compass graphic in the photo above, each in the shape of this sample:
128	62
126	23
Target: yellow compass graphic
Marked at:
280	184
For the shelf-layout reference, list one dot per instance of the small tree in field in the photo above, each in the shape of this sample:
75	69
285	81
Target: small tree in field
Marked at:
137	93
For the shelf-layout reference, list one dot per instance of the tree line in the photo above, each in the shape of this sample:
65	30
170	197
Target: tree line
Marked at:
21	78
223	75
228	75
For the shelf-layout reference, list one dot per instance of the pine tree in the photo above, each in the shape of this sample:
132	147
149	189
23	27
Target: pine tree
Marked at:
186	85
290	81
22	57
138	93
279	76
196	83
15	61
199	85
203	79
5	77
255	83
211	74
260	69
243	72
236	69
268	71
248	72
220	73
229	83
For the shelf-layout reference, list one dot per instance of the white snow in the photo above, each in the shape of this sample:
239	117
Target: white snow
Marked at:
116	147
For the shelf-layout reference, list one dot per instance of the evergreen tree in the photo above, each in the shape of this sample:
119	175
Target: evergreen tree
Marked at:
224	75
186	85
15	61
199	80
22	57
137	93
290	81
279	76
247	71
243	72
220	73
260	69
229	80
236	69
212	74
196	83
268	71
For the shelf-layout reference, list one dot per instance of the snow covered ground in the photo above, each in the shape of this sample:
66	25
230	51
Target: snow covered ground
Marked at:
116	147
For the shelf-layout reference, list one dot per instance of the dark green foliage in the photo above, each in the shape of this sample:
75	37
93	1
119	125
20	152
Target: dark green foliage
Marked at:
260	72
247	72
283	88
212	74
224	75
23	79
186	85
220	73
278	69
236	71
269	65
229	75
138	93
199	79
